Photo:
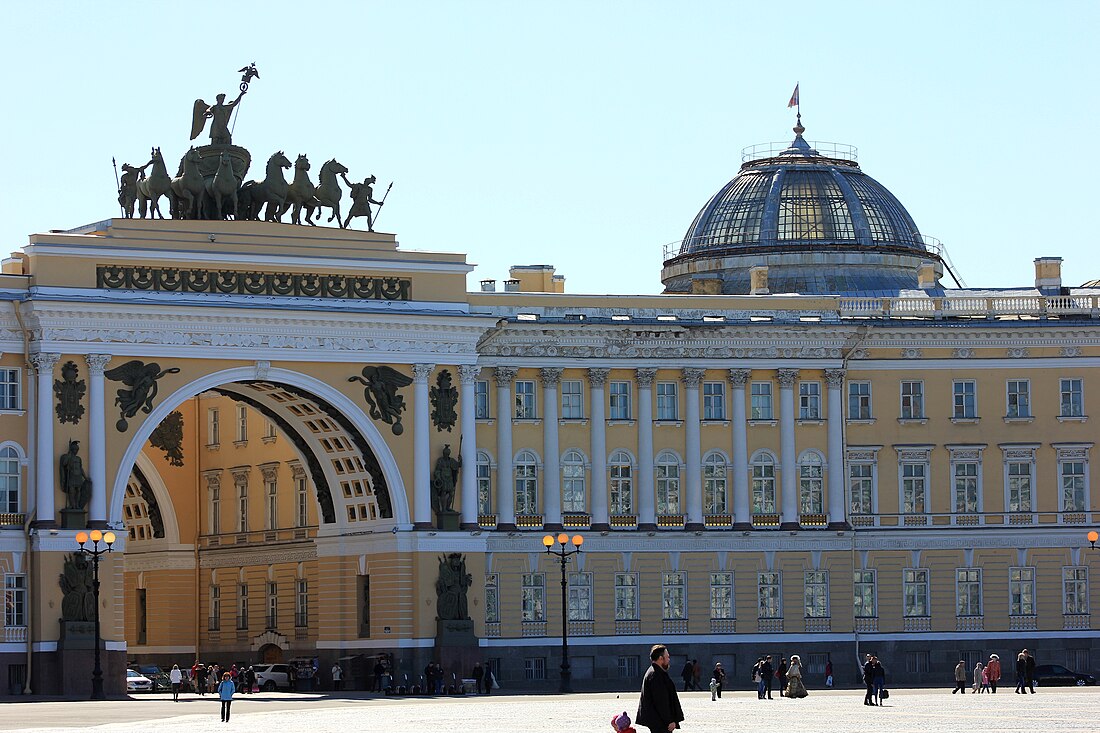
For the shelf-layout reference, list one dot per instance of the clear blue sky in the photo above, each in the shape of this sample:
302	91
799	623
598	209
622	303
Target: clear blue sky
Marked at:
580	134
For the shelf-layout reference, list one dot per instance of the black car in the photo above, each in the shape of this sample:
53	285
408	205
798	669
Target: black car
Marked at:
1049	675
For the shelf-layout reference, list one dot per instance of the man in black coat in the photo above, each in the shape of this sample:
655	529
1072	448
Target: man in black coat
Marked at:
869	680
767	673
659	707
688	675
1029	671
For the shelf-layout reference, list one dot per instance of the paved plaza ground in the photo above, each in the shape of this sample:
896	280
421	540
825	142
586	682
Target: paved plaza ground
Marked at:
934	711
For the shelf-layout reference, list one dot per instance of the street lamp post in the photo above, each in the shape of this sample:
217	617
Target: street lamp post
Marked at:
563	554
108	539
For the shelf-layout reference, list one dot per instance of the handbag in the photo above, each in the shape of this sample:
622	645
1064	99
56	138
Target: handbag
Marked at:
885	694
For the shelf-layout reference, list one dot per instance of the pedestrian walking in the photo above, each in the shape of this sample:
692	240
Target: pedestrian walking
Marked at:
478	673
490	679
767	674
225	692
757	681
1029	671
993	669
878	678
978	669
869	679
960	677
696	673
687	674
829	673
795	687
380	672
337	677
719	676
200	679
659	707
781	675
176	678
250	680
1021	672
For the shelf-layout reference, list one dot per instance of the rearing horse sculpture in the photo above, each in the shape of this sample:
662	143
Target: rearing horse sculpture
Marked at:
271	191
222	188
152	188
328	193
300	193
188	188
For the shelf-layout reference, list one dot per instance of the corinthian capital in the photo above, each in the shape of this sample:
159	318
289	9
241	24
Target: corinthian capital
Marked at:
692	377
786	377
739	377
96	363
550	376
421	372
834	378
44	363
645	377
468	373
504	375
597	377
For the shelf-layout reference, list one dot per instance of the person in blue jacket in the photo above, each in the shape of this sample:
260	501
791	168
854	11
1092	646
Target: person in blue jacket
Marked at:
225	692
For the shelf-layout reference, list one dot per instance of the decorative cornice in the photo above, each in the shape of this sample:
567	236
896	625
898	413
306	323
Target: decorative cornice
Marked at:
786	377
238	555
97	363
269	471
550	376
297	471
213	478
1017	352
598	377
468	373
834	378
739	377
240	474
911	353
645	377
422	372
45	362
504	375
692	377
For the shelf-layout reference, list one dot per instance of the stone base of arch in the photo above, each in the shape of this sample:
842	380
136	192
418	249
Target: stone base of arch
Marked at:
269	638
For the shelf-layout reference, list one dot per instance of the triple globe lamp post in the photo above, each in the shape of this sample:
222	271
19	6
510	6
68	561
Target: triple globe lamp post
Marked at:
567	547
108	539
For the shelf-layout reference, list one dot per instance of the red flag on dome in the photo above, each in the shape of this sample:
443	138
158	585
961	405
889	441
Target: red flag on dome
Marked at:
794	98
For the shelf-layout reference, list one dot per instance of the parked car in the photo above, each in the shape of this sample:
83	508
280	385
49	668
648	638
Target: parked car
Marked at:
271	677
1049	675
137	682
160	679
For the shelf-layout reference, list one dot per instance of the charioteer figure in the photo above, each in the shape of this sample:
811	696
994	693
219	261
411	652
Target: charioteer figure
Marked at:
362	196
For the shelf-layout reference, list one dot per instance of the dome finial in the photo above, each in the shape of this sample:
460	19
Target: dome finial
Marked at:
798	128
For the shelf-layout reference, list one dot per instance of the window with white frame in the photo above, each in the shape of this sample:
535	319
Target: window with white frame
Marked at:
213	427
769	595
968	591
1019	398
15	600
721	595
301	603
763	484
714	484
242	423
816	584
270	432
859	401
965	478
914	487
621	483
714	400
1073	398
865	593
1020	477
525	399
9	389
811	489
666	401
668	484
626	596
301	500
914	589
526	483
272	605
1075	590
1021	591
481	400
484	484
619	396
912	400
761	407
242	506
861	487
672	596
572	399
809	400
965	405
215	620
573	495
1072	478
11	473
215	508
272	489
242	606
492	599
533	597
580	596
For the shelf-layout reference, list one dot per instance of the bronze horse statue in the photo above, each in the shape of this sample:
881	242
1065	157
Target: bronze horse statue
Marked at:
300	193
271	191
222	188
188	191
328	193
152	188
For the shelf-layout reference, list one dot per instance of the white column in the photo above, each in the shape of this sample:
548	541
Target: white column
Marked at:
647	498
693	459
742	507
467	377
598	500
45	512
551	459
834	381
422	465
506	499
97	439
788	463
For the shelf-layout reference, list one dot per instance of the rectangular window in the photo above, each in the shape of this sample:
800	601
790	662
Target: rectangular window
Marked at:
492	599
917	662
1019	486
302	500
619	394
966	487
859	401
269	430
9	389
1072	475
861	487
215	608
912	400
1019	398
1073	398
721	595
15	600
768	595
714	485
573	497
968	591
672	596
865	594
668	488
628	667
966	399
242	507
272	606
809	400
481	400
484	485
364	606
761	401
915	592
215	509
242	607
213	427
811	486
534	597
242	423
572	399
272	488
1075	590
525	400
534	668
1021	591
301	604
666	401
526	483
913	487
817	594
763	487
580	596
714	400
626	596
